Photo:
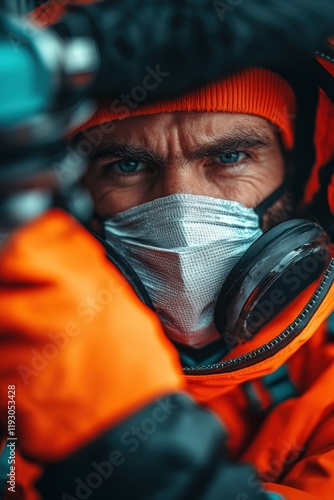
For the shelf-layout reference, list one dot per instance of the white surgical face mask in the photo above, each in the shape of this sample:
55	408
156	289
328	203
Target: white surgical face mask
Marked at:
182	247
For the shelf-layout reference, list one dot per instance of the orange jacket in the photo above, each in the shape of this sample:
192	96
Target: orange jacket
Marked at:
84	354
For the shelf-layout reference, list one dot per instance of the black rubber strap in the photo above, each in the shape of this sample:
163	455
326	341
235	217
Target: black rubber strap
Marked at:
270	200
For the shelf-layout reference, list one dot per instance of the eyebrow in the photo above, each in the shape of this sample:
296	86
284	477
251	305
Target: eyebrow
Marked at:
234	141
109	150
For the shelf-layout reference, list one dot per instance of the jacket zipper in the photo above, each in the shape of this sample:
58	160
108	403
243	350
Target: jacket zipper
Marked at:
267	350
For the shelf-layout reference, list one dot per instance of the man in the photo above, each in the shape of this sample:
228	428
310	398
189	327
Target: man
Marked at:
226	142
182	189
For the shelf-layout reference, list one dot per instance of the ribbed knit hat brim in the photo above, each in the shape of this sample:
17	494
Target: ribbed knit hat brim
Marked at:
254	91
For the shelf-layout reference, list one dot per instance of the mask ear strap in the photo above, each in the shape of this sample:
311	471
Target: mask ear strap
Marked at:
261	209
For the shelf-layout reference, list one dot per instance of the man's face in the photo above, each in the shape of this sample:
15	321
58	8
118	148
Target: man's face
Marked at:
229	156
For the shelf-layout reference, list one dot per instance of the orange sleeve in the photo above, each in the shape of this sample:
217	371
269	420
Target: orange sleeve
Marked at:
286	493
314	472
81	349
295	446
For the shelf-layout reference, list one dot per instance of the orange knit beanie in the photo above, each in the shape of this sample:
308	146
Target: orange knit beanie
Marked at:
254	91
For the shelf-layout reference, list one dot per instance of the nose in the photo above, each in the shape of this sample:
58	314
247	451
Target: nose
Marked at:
178	179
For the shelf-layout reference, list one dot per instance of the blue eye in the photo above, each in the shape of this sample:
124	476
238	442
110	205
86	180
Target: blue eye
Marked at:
232	157
129	166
